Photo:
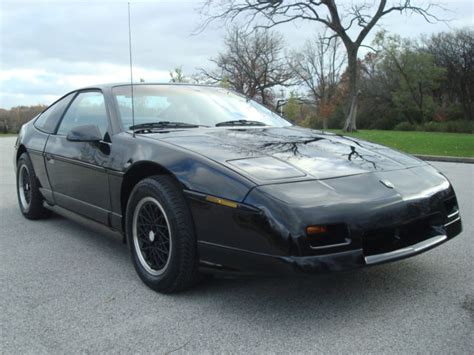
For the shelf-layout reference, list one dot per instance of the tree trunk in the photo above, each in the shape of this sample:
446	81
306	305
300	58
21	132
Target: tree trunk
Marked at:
422	112
325	123
466	102
350	124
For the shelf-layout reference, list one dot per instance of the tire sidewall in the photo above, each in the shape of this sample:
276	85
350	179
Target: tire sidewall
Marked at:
35	210
150	188
24	161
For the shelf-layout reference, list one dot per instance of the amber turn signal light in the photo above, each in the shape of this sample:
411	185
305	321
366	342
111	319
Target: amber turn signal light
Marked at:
311	230
221	201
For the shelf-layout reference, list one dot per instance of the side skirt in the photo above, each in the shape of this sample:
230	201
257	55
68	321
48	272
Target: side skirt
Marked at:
87	222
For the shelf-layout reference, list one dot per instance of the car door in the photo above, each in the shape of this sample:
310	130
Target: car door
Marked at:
77	170
45	124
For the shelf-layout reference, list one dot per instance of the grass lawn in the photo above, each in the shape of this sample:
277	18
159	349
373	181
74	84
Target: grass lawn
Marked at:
428	143
7	135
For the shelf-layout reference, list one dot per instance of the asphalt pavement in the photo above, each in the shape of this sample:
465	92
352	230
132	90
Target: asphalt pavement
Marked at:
66	288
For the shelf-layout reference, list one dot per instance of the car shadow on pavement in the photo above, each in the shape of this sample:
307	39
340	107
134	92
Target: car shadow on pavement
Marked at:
362	293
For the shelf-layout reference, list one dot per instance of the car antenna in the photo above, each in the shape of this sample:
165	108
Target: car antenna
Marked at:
131	66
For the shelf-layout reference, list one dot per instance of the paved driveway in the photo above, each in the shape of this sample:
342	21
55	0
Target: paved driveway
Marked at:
66	288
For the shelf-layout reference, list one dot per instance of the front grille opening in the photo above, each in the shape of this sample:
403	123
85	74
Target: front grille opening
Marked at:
385	240
336	234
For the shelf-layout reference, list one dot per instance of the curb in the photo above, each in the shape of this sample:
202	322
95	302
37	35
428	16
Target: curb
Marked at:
464	160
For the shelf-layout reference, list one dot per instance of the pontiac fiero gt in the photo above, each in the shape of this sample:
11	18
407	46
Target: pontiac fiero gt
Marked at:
201	178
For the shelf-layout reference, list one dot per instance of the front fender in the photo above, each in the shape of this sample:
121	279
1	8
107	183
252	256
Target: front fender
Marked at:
193	171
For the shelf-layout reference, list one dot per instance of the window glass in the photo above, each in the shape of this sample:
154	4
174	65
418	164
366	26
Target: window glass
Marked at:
48	120
88	108
199	105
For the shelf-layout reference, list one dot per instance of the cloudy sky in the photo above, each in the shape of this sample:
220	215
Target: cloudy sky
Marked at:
50	47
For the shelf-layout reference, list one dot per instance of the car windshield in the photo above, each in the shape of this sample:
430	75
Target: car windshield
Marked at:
196	105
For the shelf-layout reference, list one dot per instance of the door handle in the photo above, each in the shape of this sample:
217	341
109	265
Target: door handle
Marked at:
49	158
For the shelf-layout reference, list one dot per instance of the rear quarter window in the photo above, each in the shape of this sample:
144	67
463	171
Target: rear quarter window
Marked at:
49	119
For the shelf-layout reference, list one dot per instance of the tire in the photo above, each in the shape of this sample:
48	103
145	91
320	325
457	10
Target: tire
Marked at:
27	188
160	235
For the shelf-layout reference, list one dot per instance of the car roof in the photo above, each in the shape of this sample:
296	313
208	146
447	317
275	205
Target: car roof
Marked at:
112	85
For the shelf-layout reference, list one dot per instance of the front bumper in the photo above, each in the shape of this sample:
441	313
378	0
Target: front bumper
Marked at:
237	260
406	252
368	223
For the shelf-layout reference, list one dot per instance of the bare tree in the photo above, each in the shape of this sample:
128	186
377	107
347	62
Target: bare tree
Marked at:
318	66
251	64
177	76
351	24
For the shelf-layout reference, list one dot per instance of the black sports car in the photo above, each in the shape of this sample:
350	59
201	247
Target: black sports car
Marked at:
201	178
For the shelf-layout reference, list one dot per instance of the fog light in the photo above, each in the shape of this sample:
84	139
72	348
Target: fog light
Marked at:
327	236
311	230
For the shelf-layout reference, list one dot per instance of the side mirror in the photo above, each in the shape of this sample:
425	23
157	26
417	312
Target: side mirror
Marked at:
87	133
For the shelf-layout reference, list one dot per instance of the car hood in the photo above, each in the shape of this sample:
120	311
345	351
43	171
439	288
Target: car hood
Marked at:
268	154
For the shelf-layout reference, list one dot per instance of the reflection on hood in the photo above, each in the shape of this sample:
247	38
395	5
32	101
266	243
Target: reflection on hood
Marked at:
314	154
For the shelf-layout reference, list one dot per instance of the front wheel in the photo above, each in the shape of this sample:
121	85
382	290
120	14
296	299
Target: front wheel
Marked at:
161	236
29	196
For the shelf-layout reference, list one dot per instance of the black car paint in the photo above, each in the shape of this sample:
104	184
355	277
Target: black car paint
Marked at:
329	179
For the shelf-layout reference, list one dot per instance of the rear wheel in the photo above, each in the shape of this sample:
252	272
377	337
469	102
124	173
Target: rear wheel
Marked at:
29	196
161	236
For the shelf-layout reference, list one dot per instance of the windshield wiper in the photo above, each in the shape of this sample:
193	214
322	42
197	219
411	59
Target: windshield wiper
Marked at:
162	124
240	123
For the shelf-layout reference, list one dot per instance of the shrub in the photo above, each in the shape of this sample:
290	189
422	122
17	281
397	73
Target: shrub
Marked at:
460	126
384	123
404	126
433	126
336	121
454	111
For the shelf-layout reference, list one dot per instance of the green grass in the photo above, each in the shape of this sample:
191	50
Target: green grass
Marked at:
414	142
7	135
428	143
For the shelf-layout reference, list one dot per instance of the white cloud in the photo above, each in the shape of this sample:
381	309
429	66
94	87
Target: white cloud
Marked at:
51	47
40	86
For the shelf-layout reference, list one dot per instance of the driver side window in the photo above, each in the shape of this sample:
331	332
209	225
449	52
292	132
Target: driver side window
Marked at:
88	108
